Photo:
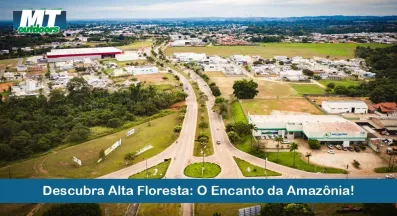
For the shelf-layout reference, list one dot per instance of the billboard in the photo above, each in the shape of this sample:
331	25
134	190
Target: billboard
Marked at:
76	160
113	147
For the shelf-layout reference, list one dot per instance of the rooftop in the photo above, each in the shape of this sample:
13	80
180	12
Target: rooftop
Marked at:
83	51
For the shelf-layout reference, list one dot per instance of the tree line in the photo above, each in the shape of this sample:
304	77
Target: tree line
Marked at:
32	124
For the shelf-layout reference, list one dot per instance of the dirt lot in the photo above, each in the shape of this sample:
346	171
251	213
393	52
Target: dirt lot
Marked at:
279	106
368	159
319	100
215	74
4	86
266	89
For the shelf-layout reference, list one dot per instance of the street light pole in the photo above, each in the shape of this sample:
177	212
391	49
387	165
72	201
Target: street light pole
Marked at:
265	167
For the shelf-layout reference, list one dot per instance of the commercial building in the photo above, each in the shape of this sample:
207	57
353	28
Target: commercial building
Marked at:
347	106
324	128
57	55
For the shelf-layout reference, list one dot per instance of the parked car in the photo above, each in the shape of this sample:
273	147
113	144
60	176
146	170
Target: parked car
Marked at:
344	148
272	136
285	142
218	142
338	147
357	149
266	137
389	176
350	148
330	146
331	152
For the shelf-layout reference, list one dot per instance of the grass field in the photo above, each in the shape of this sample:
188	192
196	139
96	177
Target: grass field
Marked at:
152	209
237	114
136	45
266	89
194	170
385	170
59	162
229	209
287	159
307	89
269	50
155	172
215	74
346	82
123	63
285	105
250	170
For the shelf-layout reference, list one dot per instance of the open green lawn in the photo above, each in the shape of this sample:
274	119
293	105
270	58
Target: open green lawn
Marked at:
267	106
269	50
136	45
250	170
59	164
155	172
194	170
229	209
307	89
346	82
154	209
237	112
287	159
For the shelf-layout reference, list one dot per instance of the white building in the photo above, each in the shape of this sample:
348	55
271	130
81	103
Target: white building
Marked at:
27	88
348	106
190	57
189	42
128	56
324	128
242	59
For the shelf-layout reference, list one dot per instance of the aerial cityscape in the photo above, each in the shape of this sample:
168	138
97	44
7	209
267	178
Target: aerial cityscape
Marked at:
147	91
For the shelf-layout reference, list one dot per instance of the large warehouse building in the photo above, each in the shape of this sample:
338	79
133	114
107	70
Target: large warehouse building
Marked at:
325	128
57	55
347	106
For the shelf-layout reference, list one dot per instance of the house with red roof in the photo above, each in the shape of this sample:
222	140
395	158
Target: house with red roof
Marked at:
389	108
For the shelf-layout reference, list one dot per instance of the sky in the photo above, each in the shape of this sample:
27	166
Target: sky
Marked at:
112	9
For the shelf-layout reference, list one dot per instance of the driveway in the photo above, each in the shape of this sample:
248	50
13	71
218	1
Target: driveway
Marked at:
368	159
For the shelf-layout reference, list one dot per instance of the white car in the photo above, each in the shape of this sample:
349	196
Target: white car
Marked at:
331	152
266	137
284	142
389	176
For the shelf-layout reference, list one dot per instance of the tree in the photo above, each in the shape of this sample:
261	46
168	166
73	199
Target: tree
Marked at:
114	123
130	157
342	90
314	144
278	139
177	129
308	155
328	90
244	89
331	85
252	127
233	136
375	209
79	133
292	148
70	209
307	72
203	125
294	209
272	209
102	154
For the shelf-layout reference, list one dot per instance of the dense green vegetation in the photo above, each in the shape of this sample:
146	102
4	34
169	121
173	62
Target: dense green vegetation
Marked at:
35	124
383	62
72	209
244	89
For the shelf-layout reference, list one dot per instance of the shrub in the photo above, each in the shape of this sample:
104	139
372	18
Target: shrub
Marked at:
314	144
356	164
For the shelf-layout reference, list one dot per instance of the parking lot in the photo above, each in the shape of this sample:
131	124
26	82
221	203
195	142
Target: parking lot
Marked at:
368	159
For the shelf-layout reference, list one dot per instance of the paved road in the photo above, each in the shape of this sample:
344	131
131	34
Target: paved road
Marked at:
132	209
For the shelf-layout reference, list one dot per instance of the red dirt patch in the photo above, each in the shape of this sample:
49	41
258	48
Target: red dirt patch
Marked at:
4	86
177	106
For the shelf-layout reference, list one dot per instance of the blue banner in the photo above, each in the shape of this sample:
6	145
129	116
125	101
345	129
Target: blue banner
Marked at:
198	191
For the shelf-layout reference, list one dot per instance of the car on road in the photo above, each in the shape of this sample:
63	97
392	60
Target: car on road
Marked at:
389	176
357	149
285	142
350	148
338	147
330	146
218	142
331	152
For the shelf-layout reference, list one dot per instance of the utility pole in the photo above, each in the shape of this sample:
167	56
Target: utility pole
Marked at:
347	174
265	167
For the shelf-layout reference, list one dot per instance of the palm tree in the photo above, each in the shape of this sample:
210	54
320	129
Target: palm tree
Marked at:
252	127
308	155
293	147
278	139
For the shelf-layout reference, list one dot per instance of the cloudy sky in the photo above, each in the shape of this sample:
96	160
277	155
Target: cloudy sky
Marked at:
92	9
